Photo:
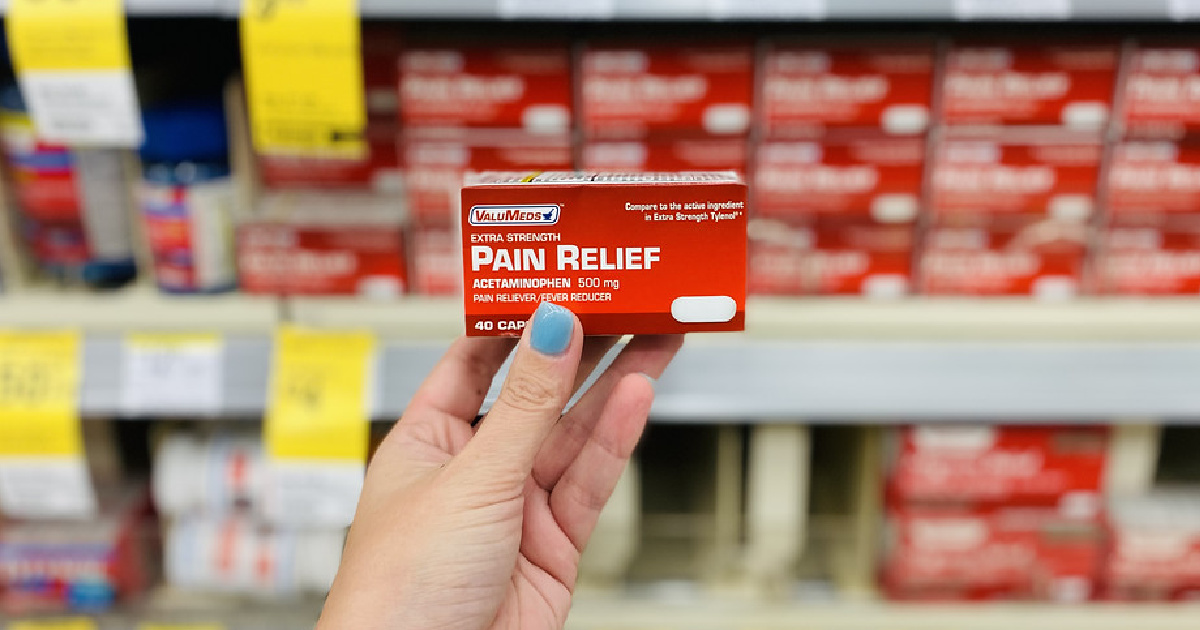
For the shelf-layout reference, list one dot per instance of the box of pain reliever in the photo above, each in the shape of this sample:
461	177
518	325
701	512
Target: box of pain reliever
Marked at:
628	253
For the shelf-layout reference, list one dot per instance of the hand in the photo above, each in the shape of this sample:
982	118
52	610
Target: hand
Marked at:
462	527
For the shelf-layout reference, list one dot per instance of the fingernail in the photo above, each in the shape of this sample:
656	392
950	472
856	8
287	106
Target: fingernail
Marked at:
552	328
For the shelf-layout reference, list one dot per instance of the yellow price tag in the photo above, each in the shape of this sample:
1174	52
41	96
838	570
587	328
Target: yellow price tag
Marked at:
73	623
318	400
304	83
39	387
67	35
72	58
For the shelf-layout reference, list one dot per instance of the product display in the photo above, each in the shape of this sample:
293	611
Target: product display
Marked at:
1155	547
626	253
829	257
1160	97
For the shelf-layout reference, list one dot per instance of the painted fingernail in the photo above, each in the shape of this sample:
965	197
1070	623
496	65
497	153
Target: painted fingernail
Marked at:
552	328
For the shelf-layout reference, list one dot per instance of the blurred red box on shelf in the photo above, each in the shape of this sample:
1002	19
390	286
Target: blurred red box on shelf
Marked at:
474	85
818	257
666	154
435	261
1025	172
378	170
1000	465
810	88
381	45
1150	256
868	177
1024	553
1160	97
1149	178
299	248
632	90
1061	85
434	163
1155	548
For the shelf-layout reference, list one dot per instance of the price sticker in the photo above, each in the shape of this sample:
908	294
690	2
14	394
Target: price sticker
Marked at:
767	9
558	9
172	373
317	424
72	623
72	60
42	470
1012	9
304	85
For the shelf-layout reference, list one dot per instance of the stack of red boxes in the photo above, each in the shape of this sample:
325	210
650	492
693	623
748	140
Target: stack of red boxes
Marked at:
838	174
1149	245
995	512
666	107
1015	170
1155	550
334	225
474	107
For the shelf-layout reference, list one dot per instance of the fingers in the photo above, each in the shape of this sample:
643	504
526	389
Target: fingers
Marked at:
594	349
647	354
538	385
453	392
588	482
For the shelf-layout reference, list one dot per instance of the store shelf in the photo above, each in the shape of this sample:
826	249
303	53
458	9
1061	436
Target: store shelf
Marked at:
827	361
715	9
139	309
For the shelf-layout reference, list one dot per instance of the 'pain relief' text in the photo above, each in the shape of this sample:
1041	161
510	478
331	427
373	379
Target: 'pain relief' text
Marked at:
566	257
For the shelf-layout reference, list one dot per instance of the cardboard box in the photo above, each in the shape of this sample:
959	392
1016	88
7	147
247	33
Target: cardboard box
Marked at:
436	262
1070	86
999	465
434	164
1029	553
659	253
300	248
1155	553
807	89
1155	256
378	170
1150	178
1160	97
1014	173
658	154
666	89
869	177
829	258
525	87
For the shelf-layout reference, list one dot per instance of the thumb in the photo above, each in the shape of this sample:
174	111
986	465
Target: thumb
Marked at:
538	386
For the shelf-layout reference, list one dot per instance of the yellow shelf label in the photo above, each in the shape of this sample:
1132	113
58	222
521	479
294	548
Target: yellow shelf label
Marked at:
39	388
318	399
67	35
72	59
73	623
304	85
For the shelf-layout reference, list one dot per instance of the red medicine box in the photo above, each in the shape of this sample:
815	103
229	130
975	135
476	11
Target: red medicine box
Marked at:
994	465
628	253
302	249
1161	95
1010	552
1151	178
666	89
873	177
1030	174
1155	553
829	258
809	89
1150	256
526	87
1028	84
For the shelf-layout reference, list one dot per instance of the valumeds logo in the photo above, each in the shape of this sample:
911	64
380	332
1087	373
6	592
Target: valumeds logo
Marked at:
514	215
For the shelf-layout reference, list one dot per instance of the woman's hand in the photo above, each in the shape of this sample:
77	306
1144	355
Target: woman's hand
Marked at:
463	527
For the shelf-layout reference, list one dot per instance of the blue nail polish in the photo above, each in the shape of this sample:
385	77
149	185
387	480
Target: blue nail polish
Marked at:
552	328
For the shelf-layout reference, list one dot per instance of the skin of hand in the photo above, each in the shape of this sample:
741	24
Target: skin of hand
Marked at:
462	527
